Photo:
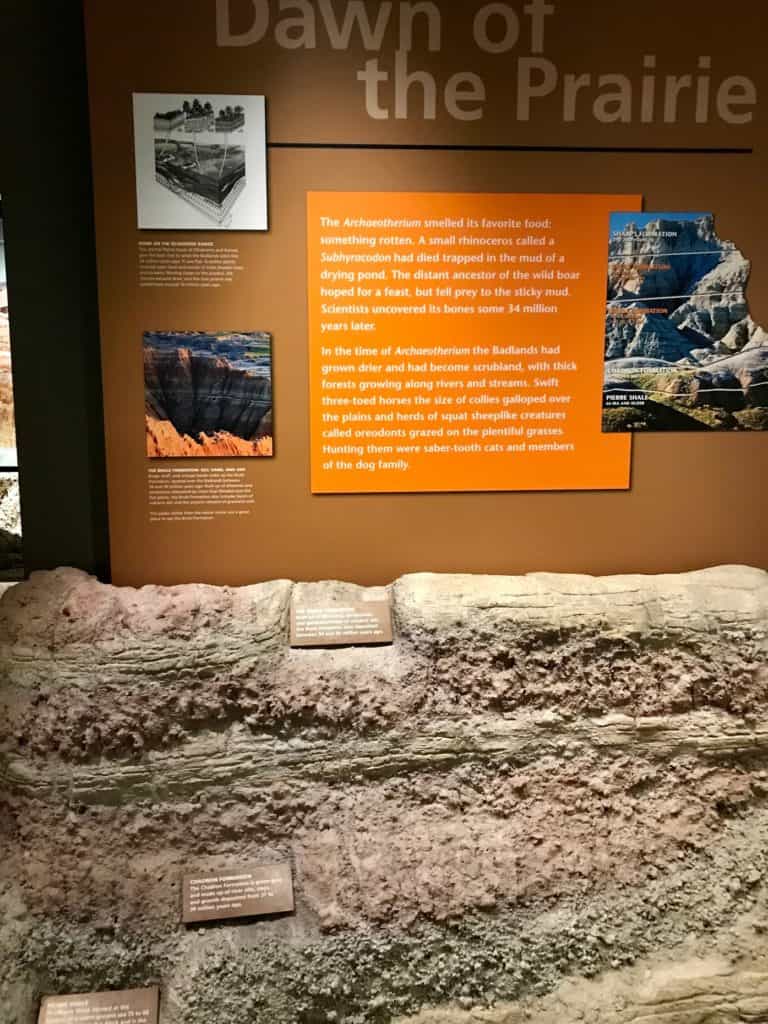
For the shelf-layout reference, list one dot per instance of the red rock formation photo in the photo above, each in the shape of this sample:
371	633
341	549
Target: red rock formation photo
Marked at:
208	395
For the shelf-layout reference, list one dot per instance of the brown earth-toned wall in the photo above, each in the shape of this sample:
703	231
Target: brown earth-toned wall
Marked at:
694	501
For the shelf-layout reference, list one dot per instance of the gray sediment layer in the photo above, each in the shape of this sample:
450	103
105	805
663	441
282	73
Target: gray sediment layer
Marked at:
545	788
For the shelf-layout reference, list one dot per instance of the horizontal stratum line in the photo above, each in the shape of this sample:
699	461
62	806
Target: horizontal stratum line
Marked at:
654	255
203	762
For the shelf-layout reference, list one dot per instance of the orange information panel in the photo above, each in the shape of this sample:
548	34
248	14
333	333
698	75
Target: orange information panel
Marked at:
456	342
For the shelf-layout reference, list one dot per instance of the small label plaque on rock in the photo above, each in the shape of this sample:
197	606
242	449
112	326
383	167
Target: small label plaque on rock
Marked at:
134	1006
246	892
346	624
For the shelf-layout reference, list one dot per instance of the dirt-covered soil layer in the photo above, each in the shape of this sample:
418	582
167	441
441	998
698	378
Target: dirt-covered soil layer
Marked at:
544	779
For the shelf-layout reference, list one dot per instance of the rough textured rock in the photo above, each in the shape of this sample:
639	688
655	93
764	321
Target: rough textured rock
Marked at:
655	337
683	267
208	394
642	265
688	990
199	392
545	778
10	504
164	441
678	328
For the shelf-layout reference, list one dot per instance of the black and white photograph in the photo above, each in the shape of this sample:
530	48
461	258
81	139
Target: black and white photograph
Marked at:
200	161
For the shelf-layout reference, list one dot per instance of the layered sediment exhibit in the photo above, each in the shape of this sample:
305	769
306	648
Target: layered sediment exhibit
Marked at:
545	801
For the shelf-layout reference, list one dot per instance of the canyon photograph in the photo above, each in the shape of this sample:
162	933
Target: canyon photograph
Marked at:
208	394
682	351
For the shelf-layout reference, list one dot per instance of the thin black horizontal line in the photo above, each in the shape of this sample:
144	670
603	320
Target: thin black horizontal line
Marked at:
431	147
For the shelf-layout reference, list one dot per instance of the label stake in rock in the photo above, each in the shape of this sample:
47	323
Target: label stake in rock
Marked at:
346	624
134	1006
246	892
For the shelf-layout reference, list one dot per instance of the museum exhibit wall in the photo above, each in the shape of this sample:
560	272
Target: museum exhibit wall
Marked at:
328	132
545	801
477	726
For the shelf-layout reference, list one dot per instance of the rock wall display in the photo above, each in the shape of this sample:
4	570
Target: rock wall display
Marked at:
11	554
546	801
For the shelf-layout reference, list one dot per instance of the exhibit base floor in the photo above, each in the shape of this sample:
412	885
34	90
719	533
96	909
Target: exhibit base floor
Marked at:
545	801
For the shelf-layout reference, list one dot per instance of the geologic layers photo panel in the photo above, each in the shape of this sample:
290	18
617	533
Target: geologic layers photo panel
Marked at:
200	161
207	394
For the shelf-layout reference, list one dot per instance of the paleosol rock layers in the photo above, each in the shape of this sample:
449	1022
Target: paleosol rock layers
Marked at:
545	779
164	441
207	395
678	328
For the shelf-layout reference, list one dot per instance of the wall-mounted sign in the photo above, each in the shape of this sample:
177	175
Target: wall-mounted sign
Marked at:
133	1006
346	624
241	892
455	342
682	351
